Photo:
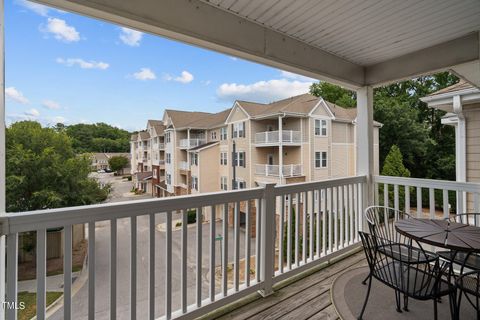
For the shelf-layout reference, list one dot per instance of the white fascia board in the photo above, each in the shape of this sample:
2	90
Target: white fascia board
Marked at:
204	25
236	105
426	61
332	115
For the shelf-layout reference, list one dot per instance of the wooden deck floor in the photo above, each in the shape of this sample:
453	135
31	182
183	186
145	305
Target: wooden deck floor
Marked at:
308	298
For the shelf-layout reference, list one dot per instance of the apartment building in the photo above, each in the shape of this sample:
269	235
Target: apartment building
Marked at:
302	138
100	160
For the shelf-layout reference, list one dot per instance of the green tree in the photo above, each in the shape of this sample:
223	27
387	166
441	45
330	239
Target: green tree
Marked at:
393	165
117	163
98	137
43	171
335	94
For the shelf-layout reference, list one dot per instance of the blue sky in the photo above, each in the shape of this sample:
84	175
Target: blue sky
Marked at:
63	67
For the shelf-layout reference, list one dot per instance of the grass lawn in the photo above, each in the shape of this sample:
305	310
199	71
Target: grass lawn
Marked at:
30	300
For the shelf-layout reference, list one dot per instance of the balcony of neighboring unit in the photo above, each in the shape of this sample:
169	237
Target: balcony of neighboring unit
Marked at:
160	146
191	143
184	167
286	171
272	138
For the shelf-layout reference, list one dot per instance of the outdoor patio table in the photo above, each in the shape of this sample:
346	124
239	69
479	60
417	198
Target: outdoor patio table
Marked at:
441	233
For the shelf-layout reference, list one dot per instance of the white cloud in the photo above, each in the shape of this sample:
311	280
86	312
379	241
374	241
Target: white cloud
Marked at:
185	77
130	37
83	64
15	95
234	58
50	104
61	30
145	74
294	76
262	91
34	113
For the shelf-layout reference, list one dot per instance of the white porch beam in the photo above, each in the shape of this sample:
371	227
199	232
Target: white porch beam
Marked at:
364	138
203	25
469	71
430	60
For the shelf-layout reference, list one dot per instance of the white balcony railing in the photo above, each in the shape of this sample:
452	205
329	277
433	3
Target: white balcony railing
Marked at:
183	165
191	143
195	278
209	285
161	146
273	137
288	170
161	162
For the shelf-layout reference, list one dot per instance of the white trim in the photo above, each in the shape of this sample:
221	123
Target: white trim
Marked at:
328	109
235	105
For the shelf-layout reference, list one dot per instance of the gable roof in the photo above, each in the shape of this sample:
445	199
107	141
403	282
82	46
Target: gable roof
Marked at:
197	120
134	137
144	135
461	85
302	104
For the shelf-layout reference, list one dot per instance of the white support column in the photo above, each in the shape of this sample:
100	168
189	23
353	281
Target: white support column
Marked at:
2	155
280	147
364	138
460	151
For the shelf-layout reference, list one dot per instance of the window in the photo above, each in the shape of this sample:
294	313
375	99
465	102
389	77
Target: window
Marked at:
194	183
321	127
167	137
214	135
168	158
240	184
223	183
194	159
223	133
223	158
238	130
239	159
169	178
321	159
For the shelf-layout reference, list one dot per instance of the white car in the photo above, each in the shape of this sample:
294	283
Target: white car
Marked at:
101	171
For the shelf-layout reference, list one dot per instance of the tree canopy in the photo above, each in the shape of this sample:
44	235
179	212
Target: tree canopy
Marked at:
117	163
393	165
428	147
43	170
98	137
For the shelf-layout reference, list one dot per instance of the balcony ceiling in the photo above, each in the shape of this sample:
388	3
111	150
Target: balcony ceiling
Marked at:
353	43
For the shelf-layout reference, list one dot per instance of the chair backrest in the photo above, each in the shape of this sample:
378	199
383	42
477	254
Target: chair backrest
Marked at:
471	218
381	222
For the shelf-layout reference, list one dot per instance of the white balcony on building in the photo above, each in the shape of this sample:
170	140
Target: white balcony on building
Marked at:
274	138
286	171
191	143
184	165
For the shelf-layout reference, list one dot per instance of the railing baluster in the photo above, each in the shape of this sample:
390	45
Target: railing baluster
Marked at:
258	243
335	217
304	227
289	231
151	268
113	268
67	272
133	267
445	204
407	199
199	257
247	243
225	250
476	208
324	221
212	252
356	207
341	219
319	227
12	274
168	266
41	272
376	194
184	261
330	213
91	270
396	200
312	214
297	229
281	233
385	195
351	210
460	202
431	197
346	215
419	202
236	246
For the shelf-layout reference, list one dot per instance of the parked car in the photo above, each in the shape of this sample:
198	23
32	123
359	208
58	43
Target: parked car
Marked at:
108	170
101	171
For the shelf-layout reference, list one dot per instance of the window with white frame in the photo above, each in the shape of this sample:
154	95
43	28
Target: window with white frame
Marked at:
168	158
195	183
238	130
240	184
169	178
214	135
321	127
194	159
223	158
223	133
223	183
168	137
321	159
239	159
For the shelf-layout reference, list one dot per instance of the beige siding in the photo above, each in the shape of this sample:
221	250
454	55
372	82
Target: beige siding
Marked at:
237	115
472	116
